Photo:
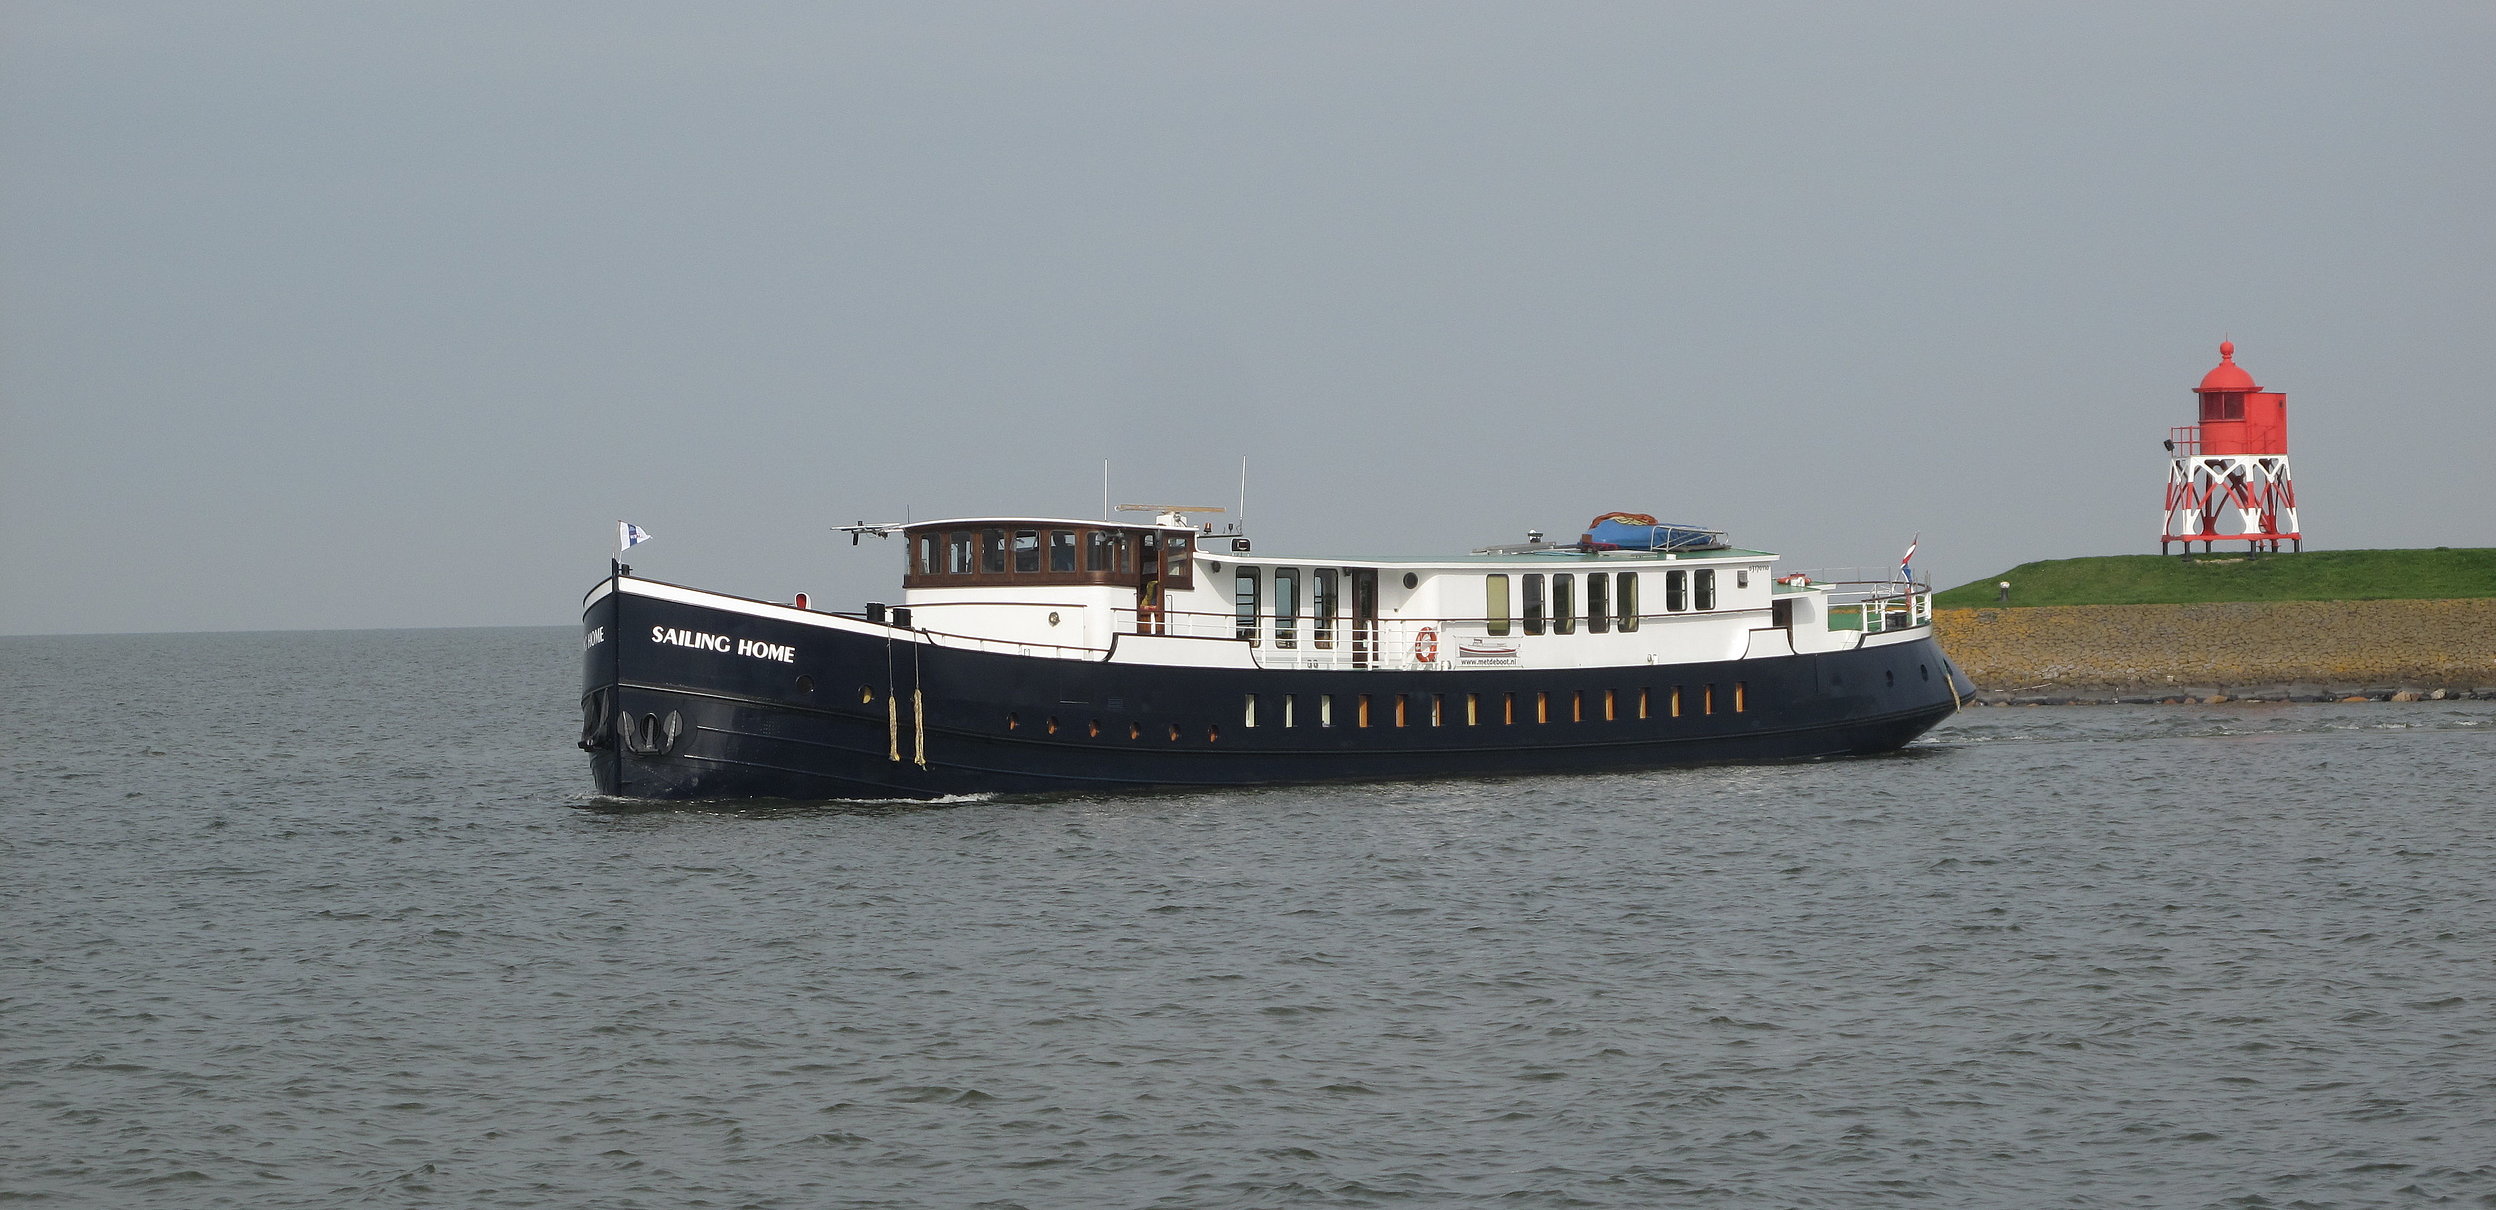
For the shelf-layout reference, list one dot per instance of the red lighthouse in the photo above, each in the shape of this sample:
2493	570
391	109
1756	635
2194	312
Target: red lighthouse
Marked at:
2228	478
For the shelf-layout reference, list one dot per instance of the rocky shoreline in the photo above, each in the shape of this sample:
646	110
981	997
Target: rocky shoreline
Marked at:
2304	651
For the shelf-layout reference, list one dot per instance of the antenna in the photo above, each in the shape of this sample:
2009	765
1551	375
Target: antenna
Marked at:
1104	489
1243	491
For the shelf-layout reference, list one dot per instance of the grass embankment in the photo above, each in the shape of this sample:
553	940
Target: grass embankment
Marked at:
2441	574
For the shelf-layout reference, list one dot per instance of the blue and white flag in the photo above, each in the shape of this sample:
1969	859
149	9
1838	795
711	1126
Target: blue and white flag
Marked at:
629	535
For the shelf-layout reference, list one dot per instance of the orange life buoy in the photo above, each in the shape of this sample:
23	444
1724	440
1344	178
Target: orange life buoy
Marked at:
1426	645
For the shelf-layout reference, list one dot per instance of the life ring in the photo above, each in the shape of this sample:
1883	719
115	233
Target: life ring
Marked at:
1426	646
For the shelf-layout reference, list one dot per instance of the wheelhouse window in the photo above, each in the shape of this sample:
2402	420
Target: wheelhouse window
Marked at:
1495	604
1598	603
1107	550
1322	603
1286	606
1676	591
1563	603
1061	550
1533	602
992	551
959	557
927	554
1026	550
1245	596
1705	588
1627	599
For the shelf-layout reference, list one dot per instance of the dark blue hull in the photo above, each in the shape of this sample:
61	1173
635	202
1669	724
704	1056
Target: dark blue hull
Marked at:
868	712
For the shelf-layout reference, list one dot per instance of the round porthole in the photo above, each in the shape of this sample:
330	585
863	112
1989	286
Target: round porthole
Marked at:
1411	580
1052	617
1215	564
805	684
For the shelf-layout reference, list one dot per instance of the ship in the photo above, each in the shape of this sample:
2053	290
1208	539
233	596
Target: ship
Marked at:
1038	655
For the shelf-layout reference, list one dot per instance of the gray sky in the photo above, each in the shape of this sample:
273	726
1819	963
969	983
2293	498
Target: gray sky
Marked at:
337	315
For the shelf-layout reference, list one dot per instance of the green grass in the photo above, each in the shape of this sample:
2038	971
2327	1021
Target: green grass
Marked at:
2316	575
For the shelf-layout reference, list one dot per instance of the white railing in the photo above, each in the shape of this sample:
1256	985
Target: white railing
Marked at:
1874	606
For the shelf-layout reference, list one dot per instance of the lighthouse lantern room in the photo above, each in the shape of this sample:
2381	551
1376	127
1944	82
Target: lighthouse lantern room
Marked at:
2227	477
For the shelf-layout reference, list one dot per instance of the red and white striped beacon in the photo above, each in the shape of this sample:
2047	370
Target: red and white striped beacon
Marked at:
2227	479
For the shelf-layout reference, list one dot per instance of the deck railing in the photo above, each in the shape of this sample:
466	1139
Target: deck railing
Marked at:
1875	606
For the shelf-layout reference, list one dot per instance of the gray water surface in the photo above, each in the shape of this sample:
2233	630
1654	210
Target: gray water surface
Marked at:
323	919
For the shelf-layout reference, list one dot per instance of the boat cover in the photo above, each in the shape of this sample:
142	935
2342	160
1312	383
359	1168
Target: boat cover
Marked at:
1638	531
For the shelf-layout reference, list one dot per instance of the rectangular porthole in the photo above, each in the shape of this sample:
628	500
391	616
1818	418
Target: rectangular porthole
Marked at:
1741	696
1507	710
1438	709
1707	700
1473	709
1325	710
1363	710
1642	703
1577	705
1608	714
1399	708
1675	708
1289	700
1250	713
1542	706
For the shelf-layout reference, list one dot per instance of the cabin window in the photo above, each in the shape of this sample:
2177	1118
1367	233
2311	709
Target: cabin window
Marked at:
1438	709
1741	696
1325	710
1399	708
1703	588
1542	706
1026	550
1177	566
1245	596
1642	703
1248	716
992	551
959	559
1322	607
1676	591
1627	600
1563	603
1508	710
1286	606
1598	603
1608	716
1707	700
1361	708
1495	604
1107	550
1290	700
1534	602
1473	709
1061	550
1676	702
1742	577
1577	705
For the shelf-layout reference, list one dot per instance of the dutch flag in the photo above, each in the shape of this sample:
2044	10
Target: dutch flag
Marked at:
1906	570
629	535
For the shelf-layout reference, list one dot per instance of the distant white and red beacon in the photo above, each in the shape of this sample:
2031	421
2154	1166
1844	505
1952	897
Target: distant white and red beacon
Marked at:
2227	477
